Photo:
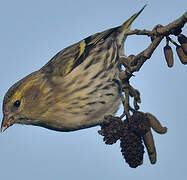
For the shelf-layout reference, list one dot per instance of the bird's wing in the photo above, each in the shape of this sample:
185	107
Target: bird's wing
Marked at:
71	57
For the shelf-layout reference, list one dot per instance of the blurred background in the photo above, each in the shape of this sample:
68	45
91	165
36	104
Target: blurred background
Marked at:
32	32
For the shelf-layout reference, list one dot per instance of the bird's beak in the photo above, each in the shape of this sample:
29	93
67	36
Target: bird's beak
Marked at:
7	122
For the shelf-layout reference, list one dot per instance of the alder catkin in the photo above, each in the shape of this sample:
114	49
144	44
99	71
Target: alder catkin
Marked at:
168	53
182	56
155	124
183	41
150	146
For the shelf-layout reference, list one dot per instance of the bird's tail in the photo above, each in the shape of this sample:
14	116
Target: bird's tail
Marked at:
121	37
127	23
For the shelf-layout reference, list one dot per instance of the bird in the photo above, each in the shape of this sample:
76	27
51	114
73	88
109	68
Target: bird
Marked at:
75	89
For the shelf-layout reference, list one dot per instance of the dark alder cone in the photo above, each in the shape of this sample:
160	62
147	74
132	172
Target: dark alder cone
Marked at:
168	53
176	31
182	56
183	41
132	148
139	123
111	129
130	133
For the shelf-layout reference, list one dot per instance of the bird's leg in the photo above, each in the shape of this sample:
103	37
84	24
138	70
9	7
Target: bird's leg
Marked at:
136	95
127	88
125	100
126	62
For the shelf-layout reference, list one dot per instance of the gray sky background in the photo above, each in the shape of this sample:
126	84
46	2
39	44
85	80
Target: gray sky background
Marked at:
32	32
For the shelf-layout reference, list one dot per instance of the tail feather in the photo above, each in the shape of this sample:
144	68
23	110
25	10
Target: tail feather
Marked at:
127	23
120	38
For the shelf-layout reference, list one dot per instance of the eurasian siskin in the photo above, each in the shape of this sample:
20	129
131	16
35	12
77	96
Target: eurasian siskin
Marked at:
75	89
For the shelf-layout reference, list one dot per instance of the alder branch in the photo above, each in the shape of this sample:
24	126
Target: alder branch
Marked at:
133	63
137	128
164	30
158	33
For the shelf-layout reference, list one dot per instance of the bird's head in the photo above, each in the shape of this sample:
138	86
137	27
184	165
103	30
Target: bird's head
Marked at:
23	102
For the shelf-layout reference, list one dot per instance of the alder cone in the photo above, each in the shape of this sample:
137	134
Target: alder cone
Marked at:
111	130
182	56
168	53
139	123
132	148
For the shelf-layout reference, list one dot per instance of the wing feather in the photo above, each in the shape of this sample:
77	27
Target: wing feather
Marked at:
71	57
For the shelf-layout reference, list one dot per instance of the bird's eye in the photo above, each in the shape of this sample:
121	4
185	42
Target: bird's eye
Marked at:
17	103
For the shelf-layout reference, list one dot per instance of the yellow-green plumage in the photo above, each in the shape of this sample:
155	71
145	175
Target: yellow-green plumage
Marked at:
75	89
